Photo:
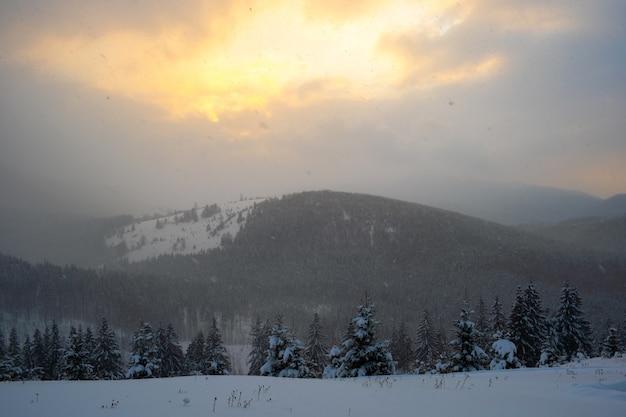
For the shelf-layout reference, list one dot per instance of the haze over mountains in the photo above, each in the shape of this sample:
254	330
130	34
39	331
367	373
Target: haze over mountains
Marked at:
319	252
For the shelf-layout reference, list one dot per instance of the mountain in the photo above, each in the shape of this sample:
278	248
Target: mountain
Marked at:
315	252
507	203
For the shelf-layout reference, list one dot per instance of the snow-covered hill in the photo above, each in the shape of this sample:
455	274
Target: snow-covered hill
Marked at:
185	233
593	388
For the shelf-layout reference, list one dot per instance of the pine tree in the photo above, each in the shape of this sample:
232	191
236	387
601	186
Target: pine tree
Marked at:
54	352
497	320
285	354
5	365
28	359
194	358
144	356
429	345
571	326
611	345
482	324
217	361
551	346
260	344
527	327
15	355
38	358
401	349
468	355
170	352
106	357
316	347
76	364
362	355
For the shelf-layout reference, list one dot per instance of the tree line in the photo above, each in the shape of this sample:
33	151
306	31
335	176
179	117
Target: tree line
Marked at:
483	339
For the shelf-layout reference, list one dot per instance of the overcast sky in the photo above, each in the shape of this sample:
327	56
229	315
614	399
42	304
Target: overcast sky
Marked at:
146	105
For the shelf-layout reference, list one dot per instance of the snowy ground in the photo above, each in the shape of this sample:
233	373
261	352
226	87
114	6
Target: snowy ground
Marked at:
592	388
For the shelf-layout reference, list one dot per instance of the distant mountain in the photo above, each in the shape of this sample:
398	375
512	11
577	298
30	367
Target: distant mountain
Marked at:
508	203
313	252
320	251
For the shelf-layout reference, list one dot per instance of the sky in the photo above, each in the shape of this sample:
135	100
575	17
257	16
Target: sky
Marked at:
148	105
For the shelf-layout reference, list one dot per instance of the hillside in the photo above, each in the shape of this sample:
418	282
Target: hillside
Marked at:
317	252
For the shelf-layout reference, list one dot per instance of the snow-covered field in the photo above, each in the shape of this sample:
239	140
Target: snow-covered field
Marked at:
592	388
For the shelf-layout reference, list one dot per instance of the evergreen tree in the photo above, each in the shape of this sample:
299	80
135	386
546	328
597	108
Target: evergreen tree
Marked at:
106	357
362	355
194	358
497	320
38	356
217	361
527	327
285	356
76	364
28	359
429	345
5	365
401	349
144	355
316	347
468	356
503	355
571	326
15	353
611	345
482	324
260	344
54	352
551	346
172	358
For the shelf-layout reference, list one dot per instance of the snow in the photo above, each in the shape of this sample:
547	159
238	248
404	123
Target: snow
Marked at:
144	240
593	387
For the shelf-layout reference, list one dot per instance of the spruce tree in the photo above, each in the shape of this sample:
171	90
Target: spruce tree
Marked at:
316	347
527	327
217	361
15	354
482	324
144	355
260	344
106	356
429	345
362	355
194	358
54	353
611	345
38	355
497	321
76	364
28	359
468	356
5	365
401	350
571	326
285	356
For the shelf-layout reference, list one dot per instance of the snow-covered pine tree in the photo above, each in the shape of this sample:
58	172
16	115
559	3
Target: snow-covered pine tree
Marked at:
362	354
497	320
5	366
194	358
217	361
15	354
38	355
316	347
429	345
27	360
503	355
401	349
551	346
468	356
285	354
144	355
260	344
611	345
527	327
54	352
481	323
571	326
171	356
76	364
106	356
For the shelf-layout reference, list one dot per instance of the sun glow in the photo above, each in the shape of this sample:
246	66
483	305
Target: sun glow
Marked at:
256	64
